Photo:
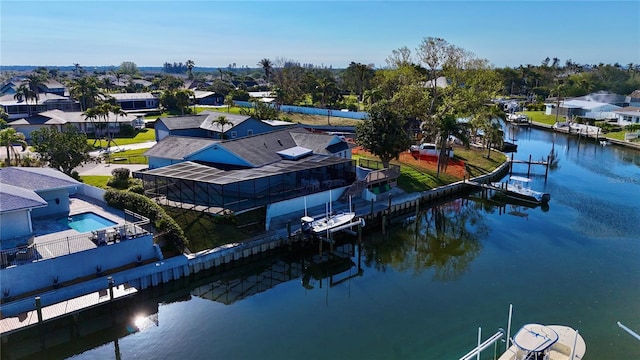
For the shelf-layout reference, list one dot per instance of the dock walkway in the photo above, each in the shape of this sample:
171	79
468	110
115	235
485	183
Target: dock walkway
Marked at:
63	308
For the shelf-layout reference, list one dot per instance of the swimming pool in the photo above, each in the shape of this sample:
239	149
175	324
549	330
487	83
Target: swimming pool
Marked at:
86	222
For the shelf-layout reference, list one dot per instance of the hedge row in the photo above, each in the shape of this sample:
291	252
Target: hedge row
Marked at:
142	205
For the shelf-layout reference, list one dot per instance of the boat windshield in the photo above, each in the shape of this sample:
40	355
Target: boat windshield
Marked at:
535	338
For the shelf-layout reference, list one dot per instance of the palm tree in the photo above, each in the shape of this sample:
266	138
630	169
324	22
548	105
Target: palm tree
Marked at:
34	82
442	129
23	92
267	66
190	64
222	121
10	137
85	90
228	100
494	135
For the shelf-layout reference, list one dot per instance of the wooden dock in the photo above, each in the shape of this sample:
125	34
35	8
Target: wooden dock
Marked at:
31	318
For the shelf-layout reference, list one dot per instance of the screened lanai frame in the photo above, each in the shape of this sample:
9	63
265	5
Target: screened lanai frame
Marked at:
236	190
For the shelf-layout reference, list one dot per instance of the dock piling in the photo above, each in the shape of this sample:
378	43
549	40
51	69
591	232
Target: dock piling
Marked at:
39	309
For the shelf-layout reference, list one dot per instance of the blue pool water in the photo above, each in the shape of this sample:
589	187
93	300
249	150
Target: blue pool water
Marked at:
87	222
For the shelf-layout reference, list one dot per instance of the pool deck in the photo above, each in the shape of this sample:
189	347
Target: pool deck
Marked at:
48	230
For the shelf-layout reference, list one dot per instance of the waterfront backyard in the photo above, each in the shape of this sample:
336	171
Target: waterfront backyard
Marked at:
422	290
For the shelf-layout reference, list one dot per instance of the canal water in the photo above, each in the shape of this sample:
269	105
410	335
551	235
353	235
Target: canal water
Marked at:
422	290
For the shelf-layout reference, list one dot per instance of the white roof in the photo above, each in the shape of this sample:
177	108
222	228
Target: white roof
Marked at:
133	96
583	104
261	94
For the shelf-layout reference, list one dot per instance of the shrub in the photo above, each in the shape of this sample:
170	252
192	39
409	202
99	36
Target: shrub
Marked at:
127	130
146	207
121	173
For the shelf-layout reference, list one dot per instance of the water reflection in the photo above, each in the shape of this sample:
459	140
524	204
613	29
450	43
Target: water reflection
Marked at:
444	238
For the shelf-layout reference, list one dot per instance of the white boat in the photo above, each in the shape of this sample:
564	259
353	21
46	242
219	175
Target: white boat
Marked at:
518	119
518	189
330	223
546	342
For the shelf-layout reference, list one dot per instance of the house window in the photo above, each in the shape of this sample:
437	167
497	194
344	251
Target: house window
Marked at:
249	132
234	134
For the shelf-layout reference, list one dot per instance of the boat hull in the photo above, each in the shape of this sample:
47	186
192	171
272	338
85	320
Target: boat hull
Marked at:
561	350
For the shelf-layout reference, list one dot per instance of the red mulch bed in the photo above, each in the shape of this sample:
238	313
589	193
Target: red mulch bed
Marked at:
425	162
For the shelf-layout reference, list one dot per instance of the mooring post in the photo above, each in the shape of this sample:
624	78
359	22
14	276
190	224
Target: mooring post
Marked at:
529	167
371	208
359	233
39	309
384	224
546	170
111	283
511	165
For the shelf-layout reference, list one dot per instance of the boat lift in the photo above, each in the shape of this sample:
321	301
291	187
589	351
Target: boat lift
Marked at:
490	341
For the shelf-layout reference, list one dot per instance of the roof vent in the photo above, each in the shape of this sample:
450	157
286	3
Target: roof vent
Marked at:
279	142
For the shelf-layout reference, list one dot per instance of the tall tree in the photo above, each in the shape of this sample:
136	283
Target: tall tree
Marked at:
34	81
10	137
383	132
128	68
63	150
190	65
357	78
228	100
24	93
267	66
86	90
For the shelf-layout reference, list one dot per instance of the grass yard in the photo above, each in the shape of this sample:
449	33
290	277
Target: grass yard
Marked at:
141	136
420	175
129	157
203	230
540	117
96	180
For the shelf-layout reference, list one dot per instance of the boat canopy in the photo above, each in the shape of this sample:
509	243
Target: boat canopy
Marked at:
535	337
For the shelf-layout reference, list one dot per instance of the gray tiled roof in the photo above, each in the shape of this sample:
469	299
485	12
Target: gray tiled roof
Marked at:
14	198
133	96
63	117
178	147
183	122
208	123
260	150
35	178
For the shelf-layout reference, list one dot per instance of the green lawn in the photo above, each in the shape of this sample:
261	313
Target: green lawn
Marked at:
540	117
96	180
129	157
203	230
141	136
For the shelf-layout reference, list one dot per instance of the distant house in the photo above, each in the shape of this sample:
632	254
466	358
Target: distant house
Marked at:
247	83
195	84
27	193
627	115
633	99
582	108
49	87
247	172
203	125
137	101
605	97
58	119
46	101
208	98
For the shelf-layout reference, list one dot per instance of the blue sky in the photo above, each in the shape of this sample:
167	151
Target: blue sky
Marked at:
218	33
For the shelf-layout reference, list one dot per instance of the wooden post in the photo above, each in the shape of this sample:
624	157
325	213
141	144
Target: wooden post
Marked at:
359	235
546	170
111	283
529	166
39	309
384	224
511	165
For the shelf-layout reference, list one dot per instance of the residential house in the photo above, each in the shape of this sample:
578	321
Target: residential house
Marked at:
247	172
50	86
46	101
46	238
203	125
593	110
137	101
58	119
633	99
28	193
208	98
627	115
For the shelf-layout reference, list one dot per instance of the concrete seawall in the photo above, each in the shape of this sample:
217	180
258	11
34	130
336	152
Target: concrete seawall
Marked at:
174	268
